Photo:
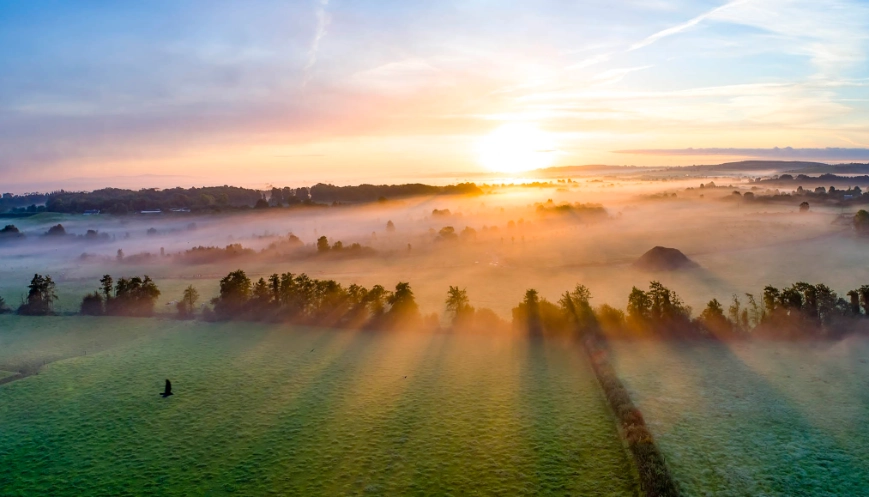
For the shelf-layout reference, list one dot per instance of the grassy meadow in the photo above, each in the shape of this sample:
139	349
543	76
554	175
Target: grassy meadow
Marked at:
756	418
262	410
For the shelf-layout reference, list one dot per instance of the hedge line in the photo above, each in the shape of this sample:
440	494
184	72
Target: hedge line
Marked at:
655	479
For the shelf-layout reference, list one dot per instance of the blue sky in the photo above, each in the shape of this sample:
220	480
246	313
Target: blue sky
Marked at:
285	92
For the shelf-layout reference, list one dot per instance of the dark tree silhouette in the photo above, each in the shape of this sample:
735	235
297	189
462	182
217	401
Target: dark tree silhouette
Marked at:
56	230
10	231
804	207
861	221
459	306
186	306
92	305
40	297
134	296
235	290
402	302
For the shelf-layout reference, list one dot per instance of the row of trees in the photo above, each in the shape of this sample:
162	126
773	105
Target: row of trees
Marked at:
120	201
371	193
134	296
300	299
801	310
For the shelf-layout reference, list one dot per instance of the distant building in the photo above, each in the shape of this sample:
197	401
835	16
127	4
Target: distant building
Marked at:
152	211
180	209
91	212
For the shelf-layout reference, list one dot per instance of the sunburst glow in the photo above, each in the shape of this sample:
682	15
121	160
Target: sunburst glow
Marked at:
515	148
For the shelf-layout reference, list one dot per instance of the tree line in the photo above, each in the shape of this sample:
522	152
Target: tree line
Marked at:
801	310
122	201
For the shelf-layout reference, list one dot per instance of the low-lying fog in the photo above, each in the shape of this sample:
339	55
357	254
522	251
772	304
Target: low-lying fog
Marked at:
740	246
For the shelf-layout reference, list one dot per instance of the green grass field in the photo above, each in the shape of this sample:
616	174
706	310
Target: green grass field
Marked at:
757	418
262	410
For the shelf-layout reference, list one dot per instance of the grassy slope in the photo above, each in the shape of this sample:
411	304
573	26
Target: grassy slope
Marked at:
307	412
756	418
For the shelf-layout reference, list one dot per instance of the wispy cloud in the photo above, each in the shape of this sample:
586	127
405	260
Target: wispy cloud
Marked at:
322	17
685	25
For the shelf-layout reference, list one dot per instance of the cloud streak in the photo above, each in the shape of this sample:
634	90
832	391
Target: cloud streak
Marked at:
685	25
322	22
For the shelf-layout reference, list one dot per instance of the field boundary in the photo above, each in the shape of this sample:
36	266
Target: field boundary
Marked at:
654	476
11	378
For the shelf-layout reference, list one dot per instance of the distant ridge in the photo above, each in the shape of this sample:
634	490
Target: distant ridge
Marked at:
756	165
853	168
591	169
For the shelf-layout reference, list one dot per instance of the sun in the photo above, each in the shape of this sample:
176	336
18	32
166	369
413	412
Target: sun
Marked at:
515	148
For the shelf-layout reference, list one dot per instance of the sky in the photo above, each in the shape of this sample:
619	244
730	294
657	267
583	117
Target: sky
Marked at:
164	93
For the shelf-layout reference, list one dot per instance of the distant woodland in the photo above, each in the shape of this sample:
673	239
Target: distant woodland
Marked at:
119	201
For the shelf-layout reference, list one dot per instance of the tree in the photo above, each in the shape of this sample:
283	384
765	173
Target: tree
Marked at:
376	300
106	283
92	305
639	304
134	296
864	298
390	227
771	296
576	307
235	289
10	231
861	221
402	302
755	313
804	207
855	302
713	318
187	303
40	297
261	204
3	307
322	244
826	302
459	306
56	230
447	233
528	313
733	312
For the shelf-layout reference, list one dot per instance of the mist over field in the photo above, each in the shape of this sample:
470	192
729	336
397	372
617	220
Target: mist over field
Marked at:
505	241
325	248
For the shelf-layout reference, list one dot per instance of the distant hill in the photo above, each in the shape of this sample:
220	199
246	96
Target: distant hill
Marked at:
758	165
853	168
590	169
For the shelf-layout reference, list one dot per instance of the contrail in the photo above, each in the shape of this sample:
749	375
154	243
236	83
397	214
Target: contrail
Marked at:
322	22
685	25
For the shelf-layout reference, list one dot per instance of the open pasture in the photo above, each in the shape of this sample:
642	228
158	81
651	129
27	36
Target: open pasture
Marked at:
756	418
264	410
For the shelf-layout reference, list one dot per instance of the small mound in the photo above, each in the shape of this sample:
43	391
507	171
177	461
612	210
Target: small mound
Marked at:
664	259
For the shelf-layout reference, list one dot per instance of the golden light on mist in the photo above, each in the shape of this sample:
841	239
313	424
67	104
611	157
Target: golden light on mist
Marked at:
516	147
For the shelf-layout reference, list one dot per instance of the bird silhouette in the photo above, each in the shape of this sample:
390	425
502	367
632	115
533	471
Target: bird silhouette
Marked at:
168	391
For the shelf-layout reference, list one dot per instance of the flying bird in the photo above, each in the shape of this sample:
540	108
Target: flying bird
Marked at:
168	391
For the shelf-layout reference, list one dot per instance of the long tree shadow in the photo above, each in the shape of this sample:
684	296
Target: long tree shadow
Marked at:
740	436
551	426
